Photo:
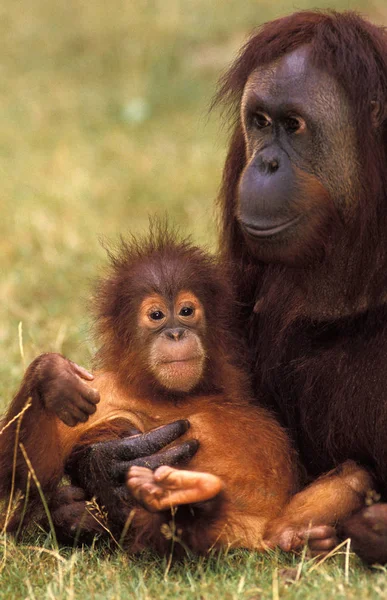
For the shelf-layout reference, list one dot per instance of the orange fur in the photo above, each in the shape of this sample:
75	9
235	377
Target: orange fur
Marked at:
254	494
240	443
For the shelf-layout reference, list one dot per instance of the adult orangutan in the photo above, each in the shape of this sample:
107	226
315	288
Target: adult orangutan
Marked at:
168	353
304	222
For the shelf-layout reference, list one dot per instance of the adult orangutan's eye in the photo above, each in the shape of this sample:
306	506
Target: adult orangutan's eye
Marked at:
156	315
186	311
294	124
261	121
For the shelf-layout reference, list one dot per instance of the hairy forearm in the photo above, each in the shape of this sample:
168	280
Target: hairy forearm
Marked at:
28	435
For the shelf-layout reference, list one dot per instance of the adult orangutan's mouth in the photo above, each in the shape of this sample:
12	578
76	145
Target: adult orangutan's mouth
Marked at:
262	232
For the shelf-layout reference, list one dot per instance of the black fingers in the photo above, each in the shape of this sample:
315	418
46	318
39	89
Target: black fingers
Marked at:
145	444
171	456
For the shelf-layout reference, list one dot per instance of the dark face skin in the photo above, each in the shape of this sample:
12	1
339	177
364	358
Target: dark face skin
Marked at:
172	329
301	157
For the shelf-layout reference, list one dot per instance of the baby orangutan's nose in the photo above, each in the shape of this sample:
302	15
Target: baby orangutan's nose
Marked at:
175	334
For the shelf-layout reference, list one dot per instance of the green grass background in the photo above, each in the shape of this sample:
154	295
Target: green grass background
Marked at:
103	121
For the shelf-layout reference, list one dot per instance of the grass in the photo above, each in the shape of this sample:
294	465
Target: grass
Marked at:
238	574
103	121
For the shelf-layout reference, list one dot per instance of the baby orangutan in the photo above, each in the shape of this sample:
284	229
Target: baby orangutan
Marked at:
168	353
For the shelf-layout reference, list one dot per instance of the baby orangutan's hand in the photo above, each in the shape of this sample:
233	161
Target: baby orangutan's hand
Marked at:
60	385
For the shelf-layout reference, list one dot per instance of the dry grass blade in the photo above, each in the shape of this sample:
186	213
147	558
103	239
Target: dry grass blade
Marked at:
53	553
100	516
333	552
275	585
21	347
18	416
41	494
125	528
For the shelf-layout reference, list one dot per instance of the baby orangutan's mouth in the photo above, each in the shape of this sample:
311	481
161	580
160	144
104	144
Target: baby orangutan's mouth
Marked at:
180	360
180	374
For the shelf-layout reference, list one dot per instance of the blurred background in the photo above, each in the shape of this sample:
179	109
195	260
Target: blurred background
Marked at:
104	121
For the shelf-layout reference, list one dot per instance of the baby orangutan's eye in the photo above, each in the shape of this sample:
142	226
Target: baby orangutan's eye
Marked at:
156	315
186	311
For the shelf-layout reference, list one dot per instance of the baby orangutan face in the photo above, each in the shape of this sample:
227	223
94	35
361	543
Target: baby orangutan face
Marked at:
173	330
